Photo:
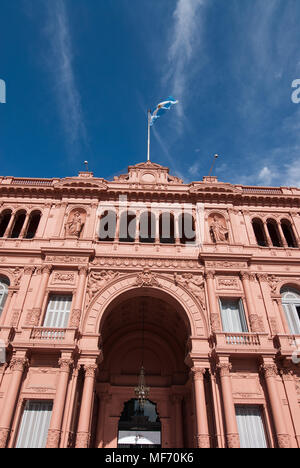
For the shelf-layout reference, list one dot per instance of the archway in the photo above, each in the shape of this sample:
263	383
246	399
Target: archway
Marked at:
138	323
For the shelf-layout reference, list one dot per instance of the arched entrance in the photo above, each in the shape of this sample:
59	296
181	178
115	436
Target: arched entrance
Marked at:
138	323
139	425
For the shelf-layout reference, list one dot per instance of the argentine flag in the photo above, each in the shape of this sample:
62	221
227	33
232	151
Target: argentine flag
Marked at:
161	108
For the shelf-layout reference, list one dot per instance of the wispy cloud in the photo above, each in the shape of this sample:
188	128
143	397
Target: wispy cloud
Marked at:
185	40
61	65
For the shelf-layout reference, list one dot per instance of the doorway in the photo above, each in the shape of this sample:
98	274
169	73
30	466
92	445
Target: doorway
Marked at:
139	425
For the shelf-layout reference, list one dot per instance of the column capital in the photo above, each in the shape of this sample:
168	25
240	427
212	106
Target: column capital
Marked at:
83	269
247	275
224	368
287	374
90	369
210	274
46	268
269	370
198	372
19	364
65	364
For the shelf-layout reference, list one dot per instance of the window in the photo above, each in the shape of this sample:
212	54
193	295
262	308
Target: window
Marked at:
127	227
166	228
273	232
34	222
147	227
233	316
4	283
107	226
251	427
291	306
187	231
35	423
259	232
58	311
18	224
288	233
4	221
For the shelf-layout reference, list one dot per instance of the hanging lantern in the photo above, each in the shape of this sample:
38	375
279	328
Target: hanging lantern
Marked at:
141	391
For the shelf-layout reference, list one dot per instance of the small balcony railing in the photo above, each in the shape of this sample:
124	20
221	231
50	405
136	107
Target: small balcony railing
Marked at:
288	345
48	334
242	343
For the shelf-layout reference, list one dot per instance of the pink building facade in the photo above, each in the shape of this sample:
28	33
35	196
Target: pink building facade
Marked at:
198	283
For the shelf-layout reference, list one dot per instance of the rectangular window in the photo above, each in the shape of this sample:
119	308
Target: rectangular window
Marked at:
58	312
35	423
292	313
233	316
251	427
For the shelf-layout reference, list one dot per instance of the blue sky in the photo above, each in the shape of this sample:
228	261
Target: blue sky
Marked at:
81	74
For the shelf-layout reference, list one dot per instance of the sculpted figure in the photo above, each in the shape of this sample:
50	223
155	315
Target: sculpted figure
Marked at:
75	225
218	232
194	283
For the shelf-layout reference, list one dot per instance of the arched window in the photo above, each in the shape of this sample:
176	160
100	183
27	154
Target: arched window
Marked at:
127	227
4	220
291	306
33	224
18	224
107	226
4	283
187	233
147	227
166	228
274	233
288	233
259	232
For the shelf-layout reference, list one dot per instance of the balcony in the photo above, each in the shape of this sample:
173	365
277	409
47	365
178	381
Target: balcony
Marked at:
47	338
288	345
243	343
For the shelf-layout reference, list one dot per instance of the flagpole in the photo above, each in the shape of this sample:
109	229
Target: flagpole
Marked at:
148	149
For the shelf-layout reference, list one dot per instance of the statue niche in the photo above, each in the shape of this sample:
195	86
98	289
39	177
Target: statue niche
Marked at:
75	223
218	229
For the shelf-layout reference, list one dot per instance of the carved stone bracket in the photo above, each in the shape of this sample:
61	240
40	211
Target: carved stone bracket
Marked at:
146	279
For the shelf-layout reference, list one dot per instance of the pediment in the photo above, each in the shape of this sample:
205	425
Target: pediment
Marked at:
148	173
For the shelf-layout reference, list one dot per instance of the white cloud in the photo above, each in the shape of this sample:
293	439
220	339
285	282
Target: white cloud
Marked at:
185	41
265	176
62	72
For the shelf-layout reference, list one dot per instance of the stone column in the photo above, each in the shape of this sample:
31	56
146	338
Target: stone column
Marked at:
292	397
103	401
177	401
54	432
269	240
25	226
9	226
270	372
282	236
39	299
77	308
232	433
213	303
157	236
202	436
253	316
84	424
18	366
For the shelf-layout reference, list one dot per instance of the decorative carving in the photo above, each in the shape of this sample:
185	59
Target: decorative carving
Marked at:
224	264
227	283
233	441
33	317
215	322
53	439
203	441
65	364
218	230
83	440
273	283
269	370
198	373
18	272
274	326
90	370
146	279
283	441
66	259
150	262
97	281
74	225
195	284
63	278
75	318
224	368
4	433
255	323
18	364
